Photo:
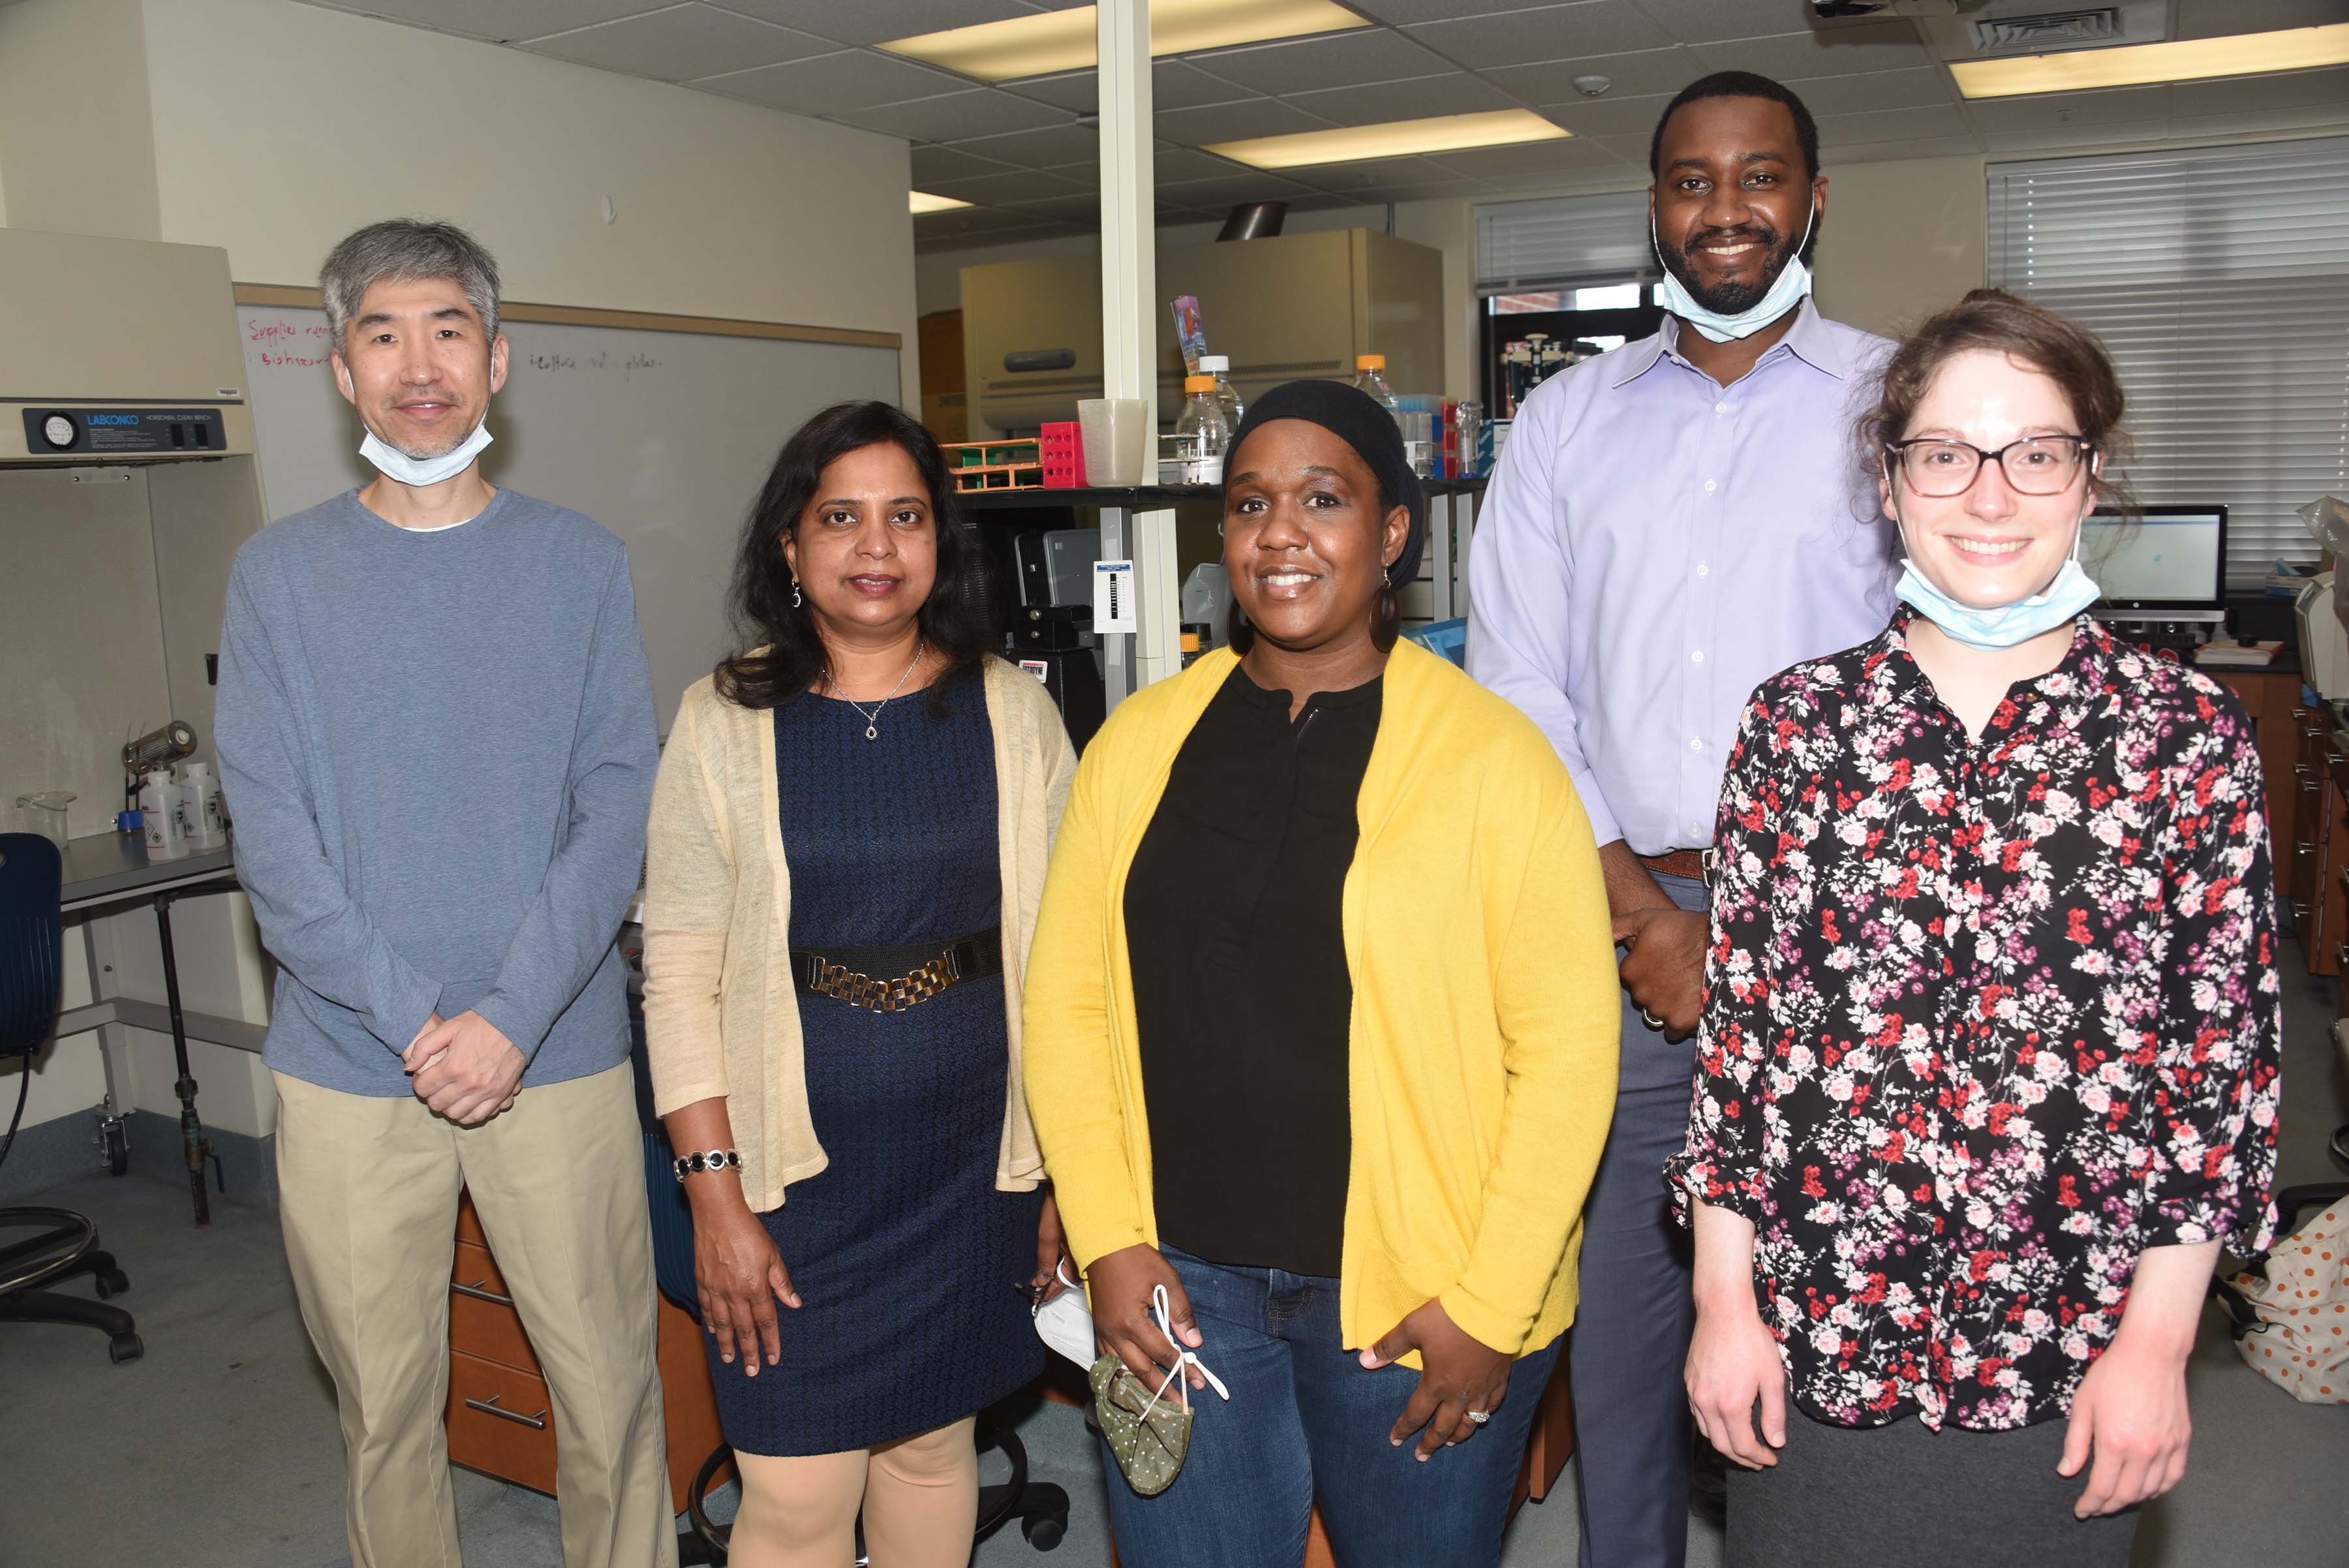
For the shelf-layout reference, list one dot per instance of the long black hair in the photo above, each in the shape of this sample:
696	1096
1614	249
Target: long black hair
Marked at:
781	653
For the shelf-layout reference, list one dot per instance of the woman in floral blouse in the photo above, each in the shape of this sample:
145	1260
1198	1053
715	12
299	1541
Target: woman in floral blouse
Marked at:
1988	1063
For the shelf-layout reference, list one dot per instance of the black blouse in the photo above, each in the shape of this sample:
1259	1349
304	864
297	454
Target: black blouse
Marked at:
1241	991
1984	1019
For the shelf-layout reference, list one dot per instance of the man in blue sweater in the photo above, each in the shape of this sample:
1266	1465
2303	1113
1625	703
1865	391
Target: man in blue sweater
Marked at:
435	729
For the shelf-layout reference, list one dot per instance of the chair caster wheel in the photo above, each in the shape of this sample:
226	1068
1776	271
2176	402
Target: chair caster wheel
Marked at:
125	1347
116	1143
113	1282
1043	1534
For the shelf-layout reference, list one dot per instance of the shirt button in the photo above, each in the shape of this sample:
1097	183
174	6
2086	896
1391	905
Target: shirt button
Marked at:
1697	657
1721	408
1708	487
1697	828
1695	744
1703	570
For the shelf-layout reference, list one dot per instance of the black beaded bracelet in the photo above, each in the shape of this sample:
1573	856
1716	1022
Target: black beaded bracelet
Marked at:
714	1159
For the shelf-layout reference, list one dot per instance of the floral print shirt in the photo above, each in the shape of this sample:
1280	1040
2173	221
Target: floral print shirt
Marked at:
1984	1020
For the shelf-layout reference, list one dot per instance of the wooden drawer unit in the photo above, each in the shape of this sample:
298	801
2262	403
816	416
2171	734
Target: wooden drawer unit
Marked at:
2272	702
2328	932
501	1418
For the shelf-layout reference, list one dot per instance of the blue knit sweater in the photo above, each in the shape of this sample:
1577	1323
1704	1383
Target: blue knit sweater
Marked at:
438	750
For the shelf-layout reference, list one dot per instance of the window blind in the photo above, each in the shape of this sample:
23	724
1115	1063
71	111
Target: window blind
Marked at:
1562	242
2218	279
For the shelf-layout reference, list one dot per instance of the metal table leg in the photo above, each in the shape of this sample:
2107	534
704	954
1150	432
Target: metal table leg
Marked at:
193	1144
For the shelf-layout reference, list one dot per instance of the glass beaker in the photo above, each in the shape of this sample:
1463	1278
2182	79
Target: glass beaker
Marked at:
45	813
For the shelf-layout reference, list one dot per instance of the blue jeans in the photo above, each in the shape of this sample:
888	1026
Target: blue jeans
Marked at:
1305	1422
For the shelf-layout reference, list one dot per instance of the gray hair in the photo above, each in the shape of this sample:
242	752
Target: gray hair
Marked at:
406	250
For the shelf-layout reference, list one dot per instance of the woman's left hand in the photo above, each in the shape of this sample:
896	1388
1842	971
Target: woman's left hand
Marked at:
1458	1374
2130	1411
1051	1255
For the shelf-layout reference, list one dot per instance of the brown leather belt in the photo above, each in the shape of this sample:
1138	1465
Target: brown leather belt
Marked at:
1687	863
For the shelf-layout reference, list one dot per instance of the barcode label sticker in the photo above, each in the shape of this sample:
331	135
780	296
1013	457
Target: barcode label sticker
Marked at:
1114	596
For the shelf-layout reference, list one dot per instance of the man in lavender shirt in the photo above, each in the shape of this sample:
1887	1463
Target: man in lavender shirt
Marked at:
1671	524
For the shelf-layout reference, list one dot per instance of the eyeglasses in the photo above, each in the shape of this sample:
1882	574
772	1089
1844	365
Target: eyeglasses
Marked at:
2036	465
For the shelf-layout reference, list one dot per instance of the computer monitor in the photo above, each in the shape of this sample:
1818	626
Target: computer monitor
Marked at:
2168	558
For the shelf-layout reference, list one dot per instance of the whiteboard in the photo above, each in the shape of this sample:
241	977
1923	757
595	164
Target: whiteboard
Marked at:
662	437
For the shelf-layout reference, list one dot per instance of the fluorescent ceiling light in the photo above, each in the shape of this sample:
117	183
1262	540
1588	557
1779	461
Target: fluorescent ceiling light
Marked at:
2195	59
923	201
1064	40
1396	139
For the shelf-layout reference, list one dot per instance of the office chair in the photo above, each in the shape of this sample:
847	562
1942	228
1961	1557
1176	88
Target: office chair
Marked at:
1041	1507
64	1244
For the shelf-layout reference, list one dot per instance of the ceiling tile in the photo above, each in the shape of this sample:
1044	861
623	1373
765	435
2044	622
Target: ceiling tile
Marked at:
1176	165
934	162
1891	125
1601	178
1234	121
680	43
2112	107
1639	74
1532	158
1432	191
2299	116
502	20
2055	138
1895	151
1173	85
1085	174
1875	89
1399	13
955	116
1331	60
1824	52
1549	33
1213	196
1611	115
1002	190
1632	147
1083	208
1044	149
834	84
972	221
1712	21
2288	91
876	21
2221	18
1364	172
1425	98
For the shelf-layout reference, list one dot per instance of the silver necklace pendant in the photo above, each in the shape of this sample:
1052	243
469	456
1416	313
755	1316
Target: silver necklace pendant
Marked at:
871	733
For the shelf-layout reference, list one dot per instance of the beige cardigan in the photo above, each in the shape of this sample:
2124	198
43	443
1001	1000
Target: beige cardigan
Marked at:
721	1015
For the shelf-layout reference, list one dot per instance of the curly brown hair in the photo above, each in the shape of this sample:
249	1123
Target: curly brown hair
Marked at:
2061	350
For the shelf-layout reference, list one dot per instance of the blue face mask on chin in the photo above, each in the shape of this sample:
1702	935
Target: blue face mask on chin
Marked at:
1786	291
2004	626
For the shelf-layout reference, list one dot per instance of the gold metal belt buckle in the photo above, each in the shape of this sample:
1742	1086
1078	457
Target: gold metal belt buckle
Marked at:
859	989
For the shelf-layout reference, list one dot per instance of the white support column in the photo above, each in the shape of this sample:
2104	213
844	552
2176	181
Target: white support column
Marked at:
1129	336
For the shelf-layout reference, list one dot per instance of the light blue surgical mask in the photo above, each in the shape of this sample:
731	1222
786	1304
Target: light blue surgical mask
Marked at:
2003	626
420	471
1784	292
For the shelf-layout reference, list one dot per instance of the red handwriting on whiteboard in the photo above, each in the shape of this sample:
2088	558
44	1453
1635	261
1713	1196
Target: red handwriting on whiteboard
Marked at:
290	344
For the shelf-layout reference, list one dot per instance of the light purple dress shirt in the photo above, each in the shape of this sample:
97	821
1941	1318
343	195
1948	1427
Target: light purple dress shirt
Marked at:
1653	546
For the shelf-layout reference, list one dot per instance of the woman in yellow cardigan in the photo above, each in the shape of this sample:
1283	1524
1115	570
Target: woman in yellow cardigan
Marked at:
1319	1037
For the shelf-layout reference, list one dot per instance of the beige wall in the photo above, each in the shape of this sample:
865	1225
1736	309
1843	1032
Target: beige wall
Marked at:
281	127
1902	240
77	140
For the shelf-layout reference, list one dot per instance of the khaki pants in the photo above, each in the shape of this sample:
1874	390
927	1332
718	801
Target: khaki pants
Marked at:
367	1194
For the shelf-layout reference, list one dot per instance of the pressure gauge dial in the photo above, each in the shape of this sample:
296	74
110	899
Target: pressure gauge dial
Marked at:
60	431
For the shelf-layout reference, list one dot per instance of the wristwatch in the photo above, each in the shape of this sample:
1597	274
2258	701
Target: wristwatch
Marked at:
712	1159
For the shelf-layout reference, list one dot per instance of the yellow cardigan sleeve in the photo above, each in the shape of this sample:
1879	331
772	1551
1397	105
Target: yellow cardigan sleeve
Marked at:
688	903
1555	999
1066	1039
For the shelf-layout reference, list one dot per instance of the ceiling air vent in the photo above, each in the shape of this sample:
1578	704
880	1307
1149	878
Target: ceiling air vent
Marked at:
2091	27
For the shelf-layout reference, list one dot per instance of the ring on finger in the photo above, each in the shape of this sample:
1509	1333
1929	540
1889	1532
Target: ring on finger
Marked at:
1652	1020
1480	1416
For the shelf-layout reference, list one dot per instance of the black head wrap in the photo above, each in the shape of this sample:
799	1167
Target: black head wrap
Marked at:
1355	416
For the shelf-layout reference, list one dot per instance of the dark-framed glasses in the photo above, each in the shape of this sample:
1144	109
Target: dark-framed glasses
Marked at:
2035	465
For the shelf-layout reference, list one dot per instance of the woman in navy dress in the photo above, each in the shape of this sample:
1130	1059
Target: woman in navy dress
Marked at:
847	844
